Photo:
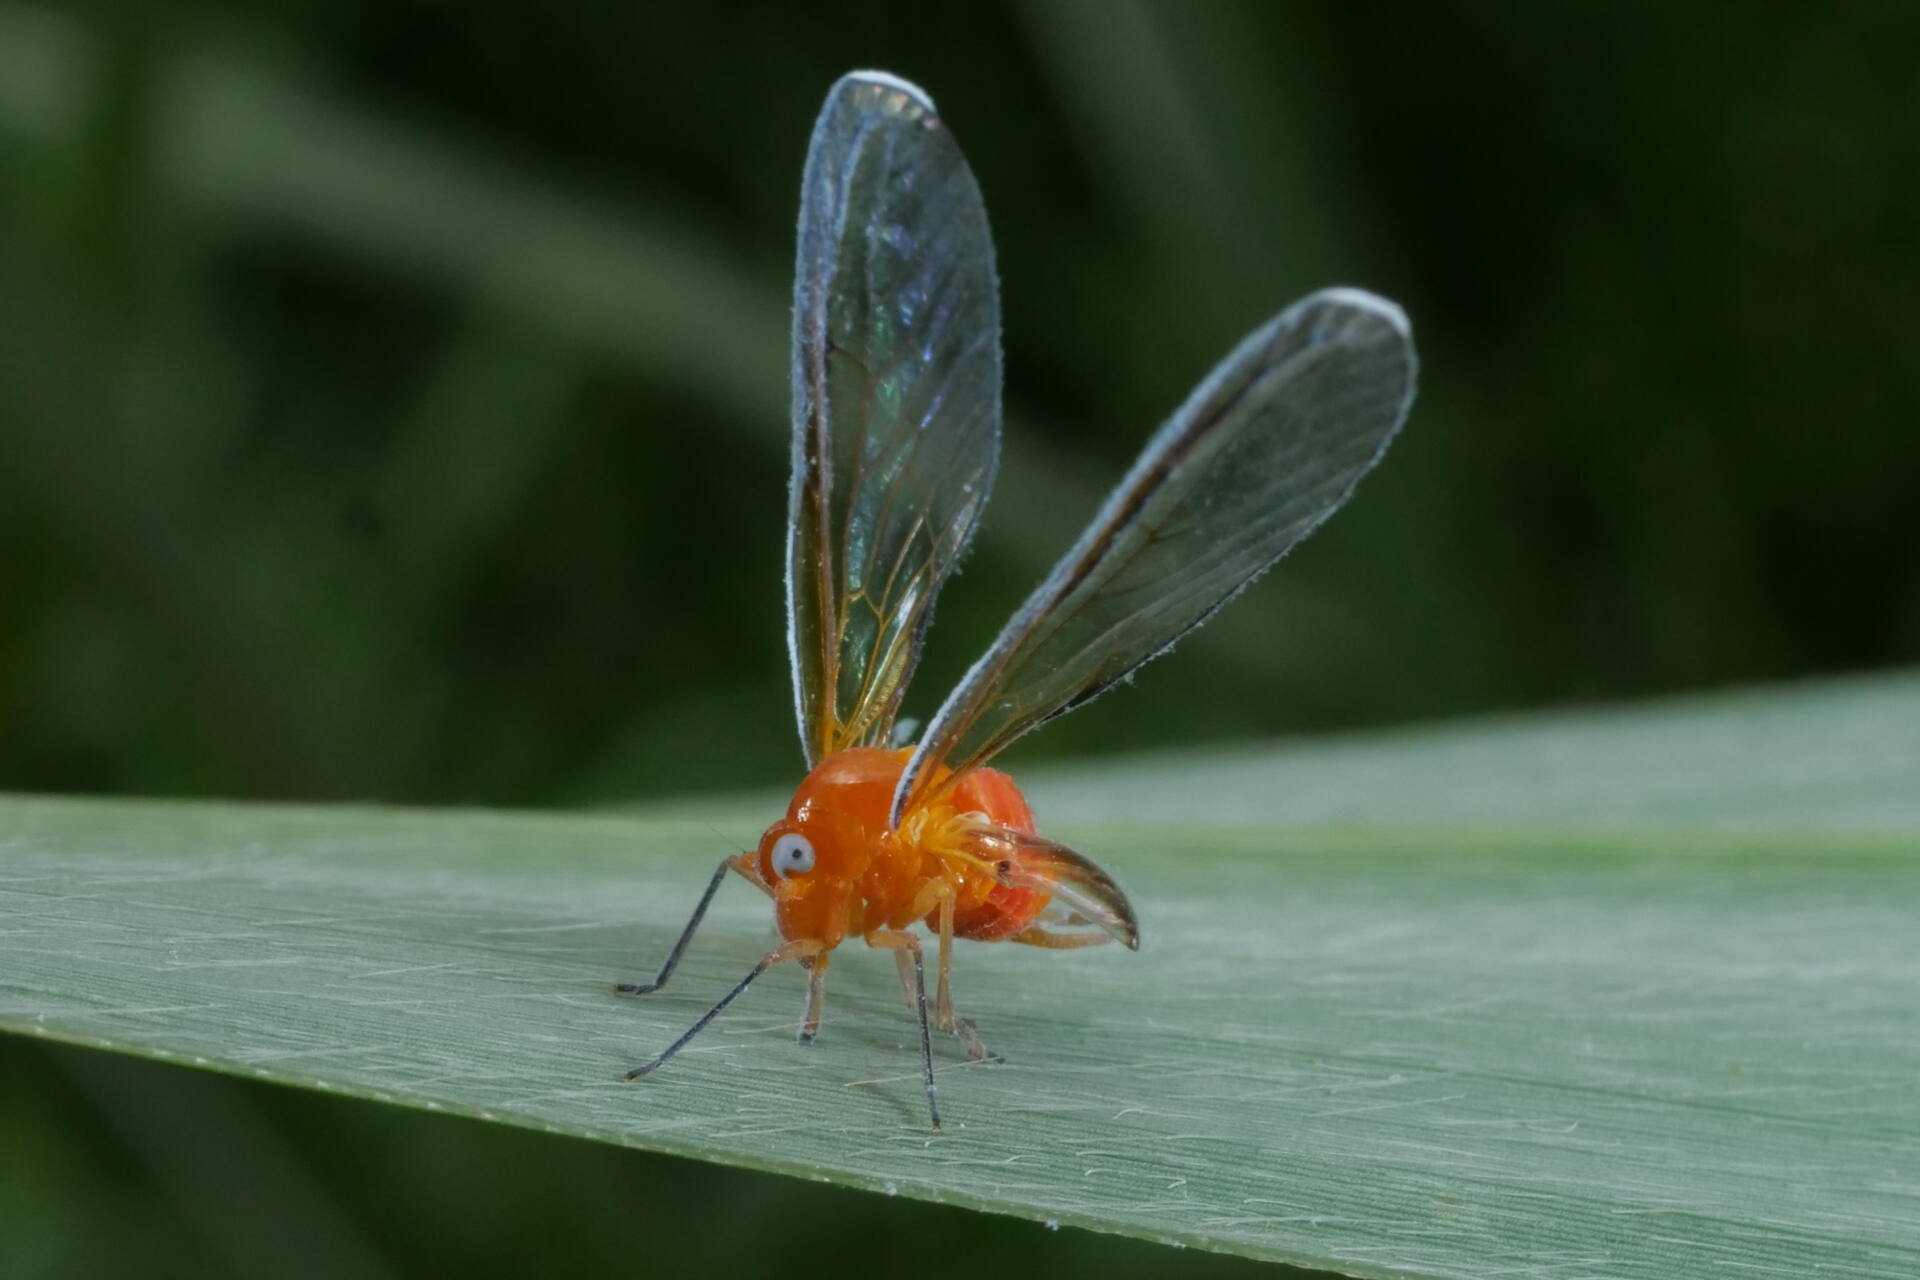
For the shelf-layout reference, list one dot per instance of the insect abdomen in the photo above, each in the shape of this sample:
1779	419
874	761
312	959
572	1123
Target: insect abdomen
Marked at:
1005	909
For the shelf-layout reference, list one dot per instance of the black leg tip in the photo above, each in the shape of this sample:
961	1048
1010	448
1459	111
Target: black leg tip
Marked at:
635	988
805	1037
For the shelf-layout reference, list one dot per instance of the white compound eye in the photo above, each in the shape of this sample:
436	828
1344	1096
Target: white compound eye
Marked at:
792	855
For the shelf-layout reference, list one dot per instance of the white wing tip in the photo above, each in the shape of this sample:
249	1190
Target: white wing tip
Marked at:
888	80
1363	300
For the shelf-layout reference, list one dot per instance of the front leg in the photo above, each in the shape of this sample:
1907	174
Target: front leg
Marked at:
798	949
741	863
816	995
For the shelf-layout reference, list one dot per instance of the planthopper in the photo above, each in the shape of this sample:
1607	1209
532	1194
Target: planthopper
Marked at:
896	427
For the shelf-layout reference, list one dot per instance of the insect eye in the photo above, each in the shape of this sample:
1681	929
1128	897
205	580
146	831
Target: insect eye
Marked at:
792	855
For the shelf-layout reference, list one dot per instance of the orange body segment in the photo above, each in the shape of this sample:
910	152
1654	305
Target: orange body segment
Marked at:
866	877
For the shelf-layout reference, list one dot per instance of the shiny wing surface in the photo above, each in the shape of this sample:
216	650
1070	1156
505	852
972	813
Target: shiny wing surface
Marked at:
1077	884
1083	893
896	401
1267	447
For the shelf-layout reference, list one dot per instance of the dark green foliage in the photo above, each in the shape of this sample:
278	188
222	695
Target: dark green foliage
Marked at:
394	398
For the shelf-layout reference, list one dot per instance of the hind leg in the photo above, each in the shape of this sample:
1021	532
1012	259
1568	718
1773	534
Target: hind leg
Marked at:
1038	937
939	898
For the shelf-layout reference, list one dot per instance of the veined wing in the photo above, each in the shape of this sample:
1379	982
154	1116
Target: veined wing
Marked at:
896	401
1267	447
1083	893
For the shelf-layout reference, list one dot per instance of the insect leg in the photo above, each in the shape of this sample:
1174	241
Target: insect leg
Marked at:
950	1021
938	896
735	863
816	995
943	1002
911	945
798	949
1038	937
904	964
935	895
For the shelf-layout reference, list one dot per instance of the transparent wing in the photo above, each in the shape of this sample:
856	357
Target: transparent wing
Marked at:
1267	447
1083	893
896	401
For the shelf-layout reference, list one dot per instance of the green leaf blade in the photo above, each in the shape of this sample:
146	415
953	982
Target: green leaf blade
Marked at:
1378	1052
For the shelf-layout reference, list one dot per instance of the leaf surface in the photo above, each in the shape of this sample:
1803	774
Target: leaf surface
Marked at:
1425	1050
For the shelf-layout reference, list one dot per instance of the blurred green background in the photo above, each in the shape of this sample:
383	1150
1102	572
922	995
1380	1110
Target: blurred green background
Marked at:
393	406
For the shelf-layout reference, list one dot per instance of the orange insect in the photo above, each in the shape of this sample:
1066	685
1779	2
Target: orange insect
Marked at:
896	427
